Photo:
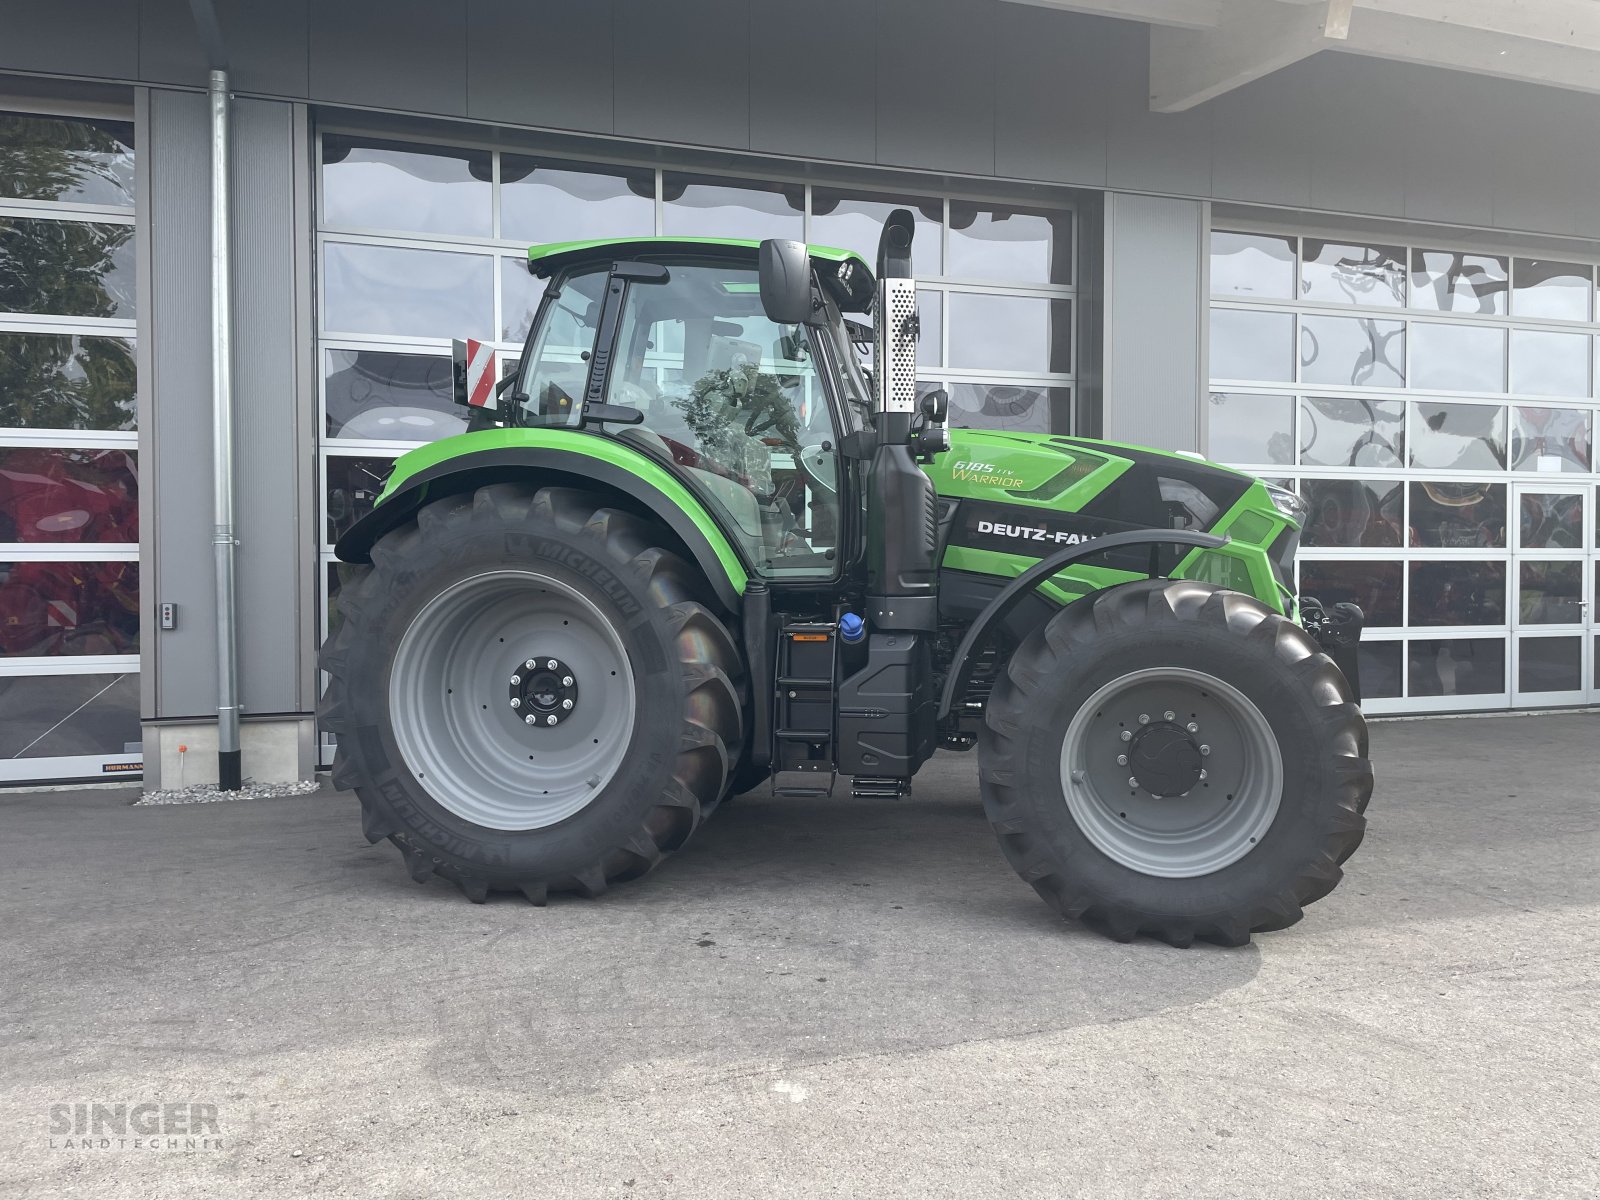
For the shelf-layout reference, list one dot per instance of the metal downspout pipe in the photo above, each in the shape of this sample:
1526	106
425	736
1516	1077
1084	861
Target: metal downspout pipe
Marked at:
229	773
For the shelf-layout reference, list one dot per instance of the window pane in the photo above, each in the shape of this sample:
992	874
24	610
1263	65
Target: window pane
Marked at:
1251	345
398	185
520	293
853	221
1549	664
1458	667
1549	439
1449	281
422	293
353	485
1458	593
1010	333
59	608
1245	428
1345	432
1352	350
1379	664
73	159
547	200
61	716
1352	512
1009	245
1252	264
1550	593
1549	364
390	397
731	208
1550	289
1375	586
1347	274
1550	521
1468	437
66	381
66	268
52	495
1011	406
1458	515
1458	358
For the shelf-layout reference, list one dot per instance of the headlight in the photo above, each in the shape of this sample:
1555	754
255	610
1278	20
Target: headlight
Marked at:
1288	503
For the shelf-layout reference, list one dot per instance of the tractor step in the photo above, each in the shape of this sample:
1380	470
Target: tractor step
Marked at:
875	787
802	750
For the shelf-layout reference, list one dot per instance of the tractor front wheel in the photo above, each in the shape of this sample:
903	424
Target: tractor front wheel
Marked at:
1173	759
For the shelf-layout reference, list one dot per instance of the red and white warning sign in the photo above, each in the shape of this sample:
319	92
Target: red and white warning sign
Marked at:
473	364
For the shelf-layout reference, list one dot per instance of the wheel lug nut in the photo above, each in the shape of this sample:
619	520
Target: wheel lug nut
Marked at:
1169	715
516	702
550	720
1127	735
566	704
1144	718
566	681
1202	774
1205	749
516	679
1122	760
530	718
530	664
1192	727
1132	782
552	664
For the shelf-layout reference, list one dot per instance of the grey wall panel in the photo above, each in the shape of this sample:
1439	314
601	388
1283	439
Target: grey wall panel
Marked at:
177	153
1050	101
1448	168
1259	146
1155	316
266	44
405	54
1547	181
1358	149
1146	151
683	71
274	570
71	37
815	91
936	84
541	64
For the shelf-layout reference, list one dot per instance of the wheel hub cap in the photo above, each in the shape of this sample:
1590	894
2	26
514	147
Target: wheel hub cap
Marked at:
1165	759
544	691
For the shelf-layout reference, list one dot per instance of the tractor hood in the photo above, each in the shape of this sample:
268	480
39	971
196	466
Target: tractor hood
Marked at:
1013	498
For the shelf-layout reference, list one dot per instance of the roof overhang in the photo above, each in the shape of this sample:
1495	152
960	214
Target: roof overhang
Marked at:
1203	48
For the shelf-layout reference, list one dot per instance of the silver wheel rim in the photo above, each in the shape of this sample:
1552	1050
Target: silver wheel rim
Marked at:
1228	807
451	692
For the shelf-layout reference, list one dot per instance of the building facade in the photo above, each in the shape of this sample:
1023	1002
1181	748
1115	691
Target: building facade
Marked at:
1371	279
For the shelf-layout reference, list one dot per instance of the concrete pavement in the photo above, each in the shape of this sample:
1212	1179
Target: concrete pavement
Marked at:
835	999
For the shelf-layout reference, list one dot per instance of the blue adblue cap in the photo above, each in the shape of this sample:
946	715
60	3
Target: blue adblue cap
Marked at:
852	628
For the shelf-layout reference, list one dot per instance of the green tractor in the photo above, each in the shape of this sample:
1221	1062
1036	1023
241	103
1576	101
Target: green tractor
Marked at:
695	545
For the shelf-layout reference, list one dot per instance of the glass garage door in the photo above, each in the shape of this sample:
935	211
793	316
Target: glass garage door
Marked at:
69	479
1435	407
419	242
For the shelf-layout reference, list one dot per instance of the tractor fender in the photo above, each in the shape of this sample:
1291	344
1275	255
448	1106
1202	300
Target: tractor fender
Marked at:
1020	588
560	458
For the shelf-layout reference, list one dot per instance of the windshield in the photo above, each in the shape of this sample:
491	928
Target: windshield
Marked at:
555	363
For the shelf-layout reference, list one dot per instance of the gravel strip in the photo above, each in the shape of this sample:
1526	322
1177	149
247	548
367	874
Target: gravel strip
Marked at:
206	793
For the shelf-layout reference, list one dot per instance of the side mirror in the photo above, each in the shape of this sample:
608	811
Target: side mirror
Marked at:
785	281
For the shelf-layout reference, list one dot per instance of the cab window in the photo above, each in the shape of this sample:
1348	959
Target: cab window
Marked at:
735	403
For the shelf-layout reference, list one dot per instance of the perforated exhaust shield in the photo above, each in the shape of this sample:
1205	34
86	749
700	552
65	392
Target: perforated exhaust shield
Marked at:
896	350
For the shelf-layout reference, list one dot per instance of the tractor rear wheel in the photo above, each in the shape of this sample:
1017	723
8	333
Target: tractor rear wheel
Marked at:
1173	759
529	694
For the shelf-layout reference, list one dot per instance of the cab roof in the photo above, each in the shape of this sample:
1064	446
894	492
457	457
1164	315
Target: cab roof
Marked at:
546	259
